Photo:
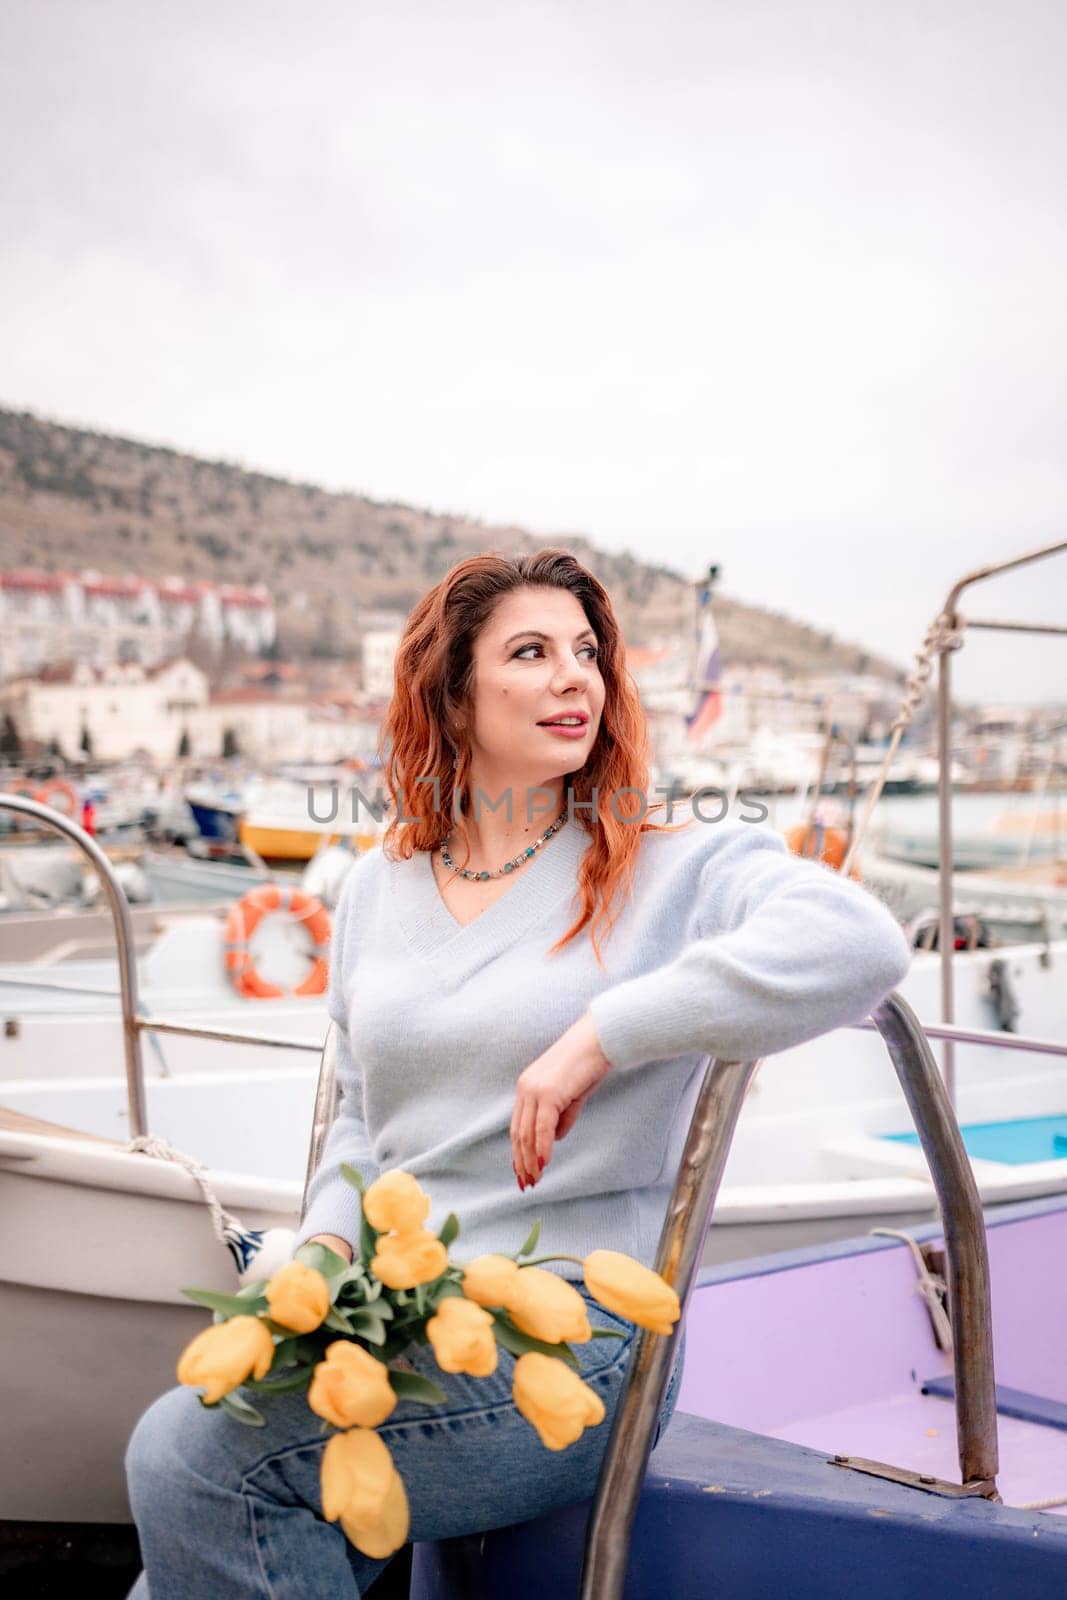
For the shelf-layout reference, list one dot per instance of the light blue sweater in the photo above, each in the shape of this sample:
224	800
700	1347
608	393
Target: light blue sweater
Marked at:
729	946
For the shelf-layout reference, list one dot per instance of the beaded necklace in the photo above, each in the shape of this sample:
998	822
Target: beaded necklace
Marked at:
509	866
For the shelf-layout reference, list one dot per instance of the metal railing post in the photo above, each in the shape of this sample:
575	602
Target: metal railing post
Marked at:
946	925
678	1258
127	949
681	1244
967	1258
326	1101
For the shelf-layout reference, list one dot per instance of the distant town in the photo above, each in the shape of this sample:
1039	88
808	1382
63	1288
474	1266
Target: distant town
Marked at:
105	668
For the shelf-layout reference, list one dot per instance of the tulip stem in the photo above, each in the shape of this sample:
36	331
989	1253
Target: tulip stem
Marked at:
536	1262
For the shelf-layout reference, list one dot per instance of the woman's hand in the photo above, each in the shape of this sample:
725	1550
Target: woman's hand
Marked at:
550	1093
333	1242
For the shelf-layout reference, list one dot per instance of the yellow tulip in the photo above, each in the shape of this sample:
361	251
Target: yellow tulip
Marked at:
547	1307
355	1477
384	1536
351	1387
223	1356
462	1337
396	1200
298	1297
553	1397
632	1290
407	1259
490	1280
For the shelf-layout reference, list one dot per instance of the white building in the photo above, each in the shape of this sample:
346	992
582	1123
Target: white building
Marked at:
124	707
96	619
379	652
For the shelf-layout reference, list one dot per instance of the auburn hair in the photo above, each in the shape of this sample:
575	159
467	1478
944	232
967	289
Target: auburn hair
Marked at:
430	712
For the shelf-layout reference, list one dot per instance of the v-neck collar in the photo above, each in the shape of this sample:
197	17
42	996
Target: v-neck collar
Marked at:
457	950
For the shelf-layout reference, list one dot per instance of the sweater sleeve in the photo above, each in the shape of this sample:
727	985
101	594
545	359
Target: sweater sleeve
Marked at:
333	1205
781	950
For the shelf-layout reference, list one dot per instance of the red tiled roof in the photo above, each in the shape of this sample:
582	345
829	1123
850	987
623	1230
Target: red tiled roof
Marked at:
230	595
29	578
250	696
127	588
165	666
179	593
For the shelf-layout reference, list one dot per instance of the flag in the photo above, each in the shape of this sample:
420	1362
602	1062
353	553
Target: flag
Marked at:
707	677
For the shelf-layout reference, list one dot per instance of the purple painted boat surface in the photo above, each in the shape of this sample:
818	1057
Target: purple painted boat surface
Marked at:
830	1347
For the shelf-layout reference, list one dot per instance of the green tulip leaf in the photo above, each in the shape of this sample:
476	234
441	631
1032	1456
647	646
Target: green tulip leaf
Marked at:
338	1320
350	1284
230	1305
353	1176
323	1259
299	1379
369	1327
279	1328
286	1351
531	1243
368	1240
242	1411
519	1344
450	1230
413	1386
608	1333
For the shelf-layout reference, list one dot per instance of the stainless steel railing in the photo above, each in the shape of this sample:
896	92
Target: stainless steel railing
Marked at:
952	636
127	951
680	1248
134	1022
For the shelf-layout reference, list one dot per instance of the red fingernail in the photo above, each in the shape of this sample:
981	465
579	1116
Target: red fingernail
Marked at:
541	1163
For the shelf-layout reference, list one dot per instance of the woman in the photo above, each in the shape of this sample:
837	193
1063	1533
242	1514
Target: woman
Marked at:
524	960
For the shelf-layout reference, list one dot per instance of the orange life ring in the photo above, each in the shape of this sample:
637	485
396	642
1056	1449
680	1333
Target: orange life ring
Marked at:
244	918
58	786
829	845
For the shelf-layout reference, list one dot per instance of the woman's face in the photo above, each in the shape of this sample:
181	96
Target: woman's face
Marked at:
535	659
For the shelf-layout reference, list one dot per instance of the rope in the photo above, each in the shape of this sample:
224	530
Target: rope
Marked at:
941	635
929	1286
241	1242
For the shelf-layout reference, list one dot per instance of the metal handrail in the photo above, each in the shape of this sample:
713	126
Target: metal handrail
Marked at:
134	1022
326	1102
124	936
680	1248
998	1041
952	637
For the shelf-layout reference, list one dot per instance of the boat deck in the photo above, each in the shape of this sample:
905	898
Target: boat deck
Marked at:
918	1431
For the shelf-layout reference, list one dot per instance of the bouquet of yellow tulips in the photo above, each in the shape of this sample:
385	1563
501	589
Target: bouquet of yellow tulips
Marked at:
274	1337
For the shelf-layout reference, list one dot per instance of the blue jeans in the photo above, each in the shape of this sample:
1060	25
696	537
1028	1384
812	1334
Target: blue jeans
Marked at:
227	1512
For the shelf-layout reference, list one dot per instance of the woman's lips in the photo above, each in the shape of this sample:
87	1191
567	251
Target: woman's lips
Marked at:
569	732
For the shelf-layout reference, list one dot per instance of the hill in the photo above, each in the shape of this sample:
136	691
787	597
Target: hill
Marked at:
72	497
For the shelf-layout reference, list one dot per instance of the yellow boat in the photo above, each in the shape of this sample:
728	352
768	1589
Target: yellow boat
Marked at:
280	841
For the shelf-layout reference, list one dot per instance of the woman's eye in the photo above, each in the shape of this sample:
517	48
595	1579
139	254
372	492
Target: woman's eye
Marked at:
523	649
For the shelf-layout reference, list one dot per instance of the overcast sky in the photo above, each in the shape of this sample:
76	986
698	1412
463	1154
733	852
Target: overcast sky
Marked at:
775	285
